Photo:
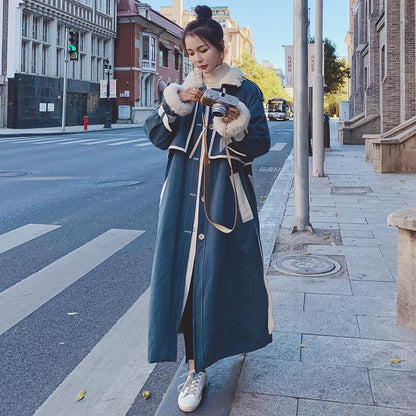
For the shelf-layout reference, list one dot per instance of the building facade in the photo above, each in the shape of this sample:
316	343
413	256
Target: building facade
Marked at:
383	69
148	57
35	53
237	39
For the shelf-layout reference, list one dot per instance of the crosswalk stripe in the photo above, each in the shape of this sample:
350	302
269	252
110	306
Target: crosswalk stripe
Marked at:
128	141
143	144
102	141
112	374
77	141
7	139
20	300
23	234
278	147
33	140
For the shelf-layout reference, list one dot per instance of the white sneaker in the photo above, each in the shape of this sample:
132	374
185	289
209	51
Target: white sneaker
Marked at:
191	391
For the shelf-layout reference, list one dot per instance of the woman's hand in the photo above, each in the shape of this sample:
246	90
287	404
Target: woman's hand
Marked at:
190	94
231	114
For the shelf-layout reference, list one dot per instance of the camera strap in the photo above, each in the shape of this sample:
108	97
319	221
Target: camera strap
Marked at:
203	137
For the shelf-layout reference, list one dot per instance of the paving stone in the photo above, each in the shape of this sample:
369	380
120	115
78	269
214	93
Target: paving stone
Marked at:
305	380
287	301
365	268
366	234
373	289
285	346
324	408
325	225
394	388
353	305
317	323
255	404
309	284
384	328
359	242
358	352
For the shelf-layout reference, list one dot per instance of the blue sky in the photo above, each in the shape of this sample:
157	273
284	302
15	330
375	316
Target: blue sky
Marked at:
271	22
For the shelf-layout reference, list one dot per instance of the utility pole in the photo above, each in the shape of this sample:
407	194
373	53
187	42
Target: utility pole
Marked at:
301	179
66	60
318	97
108	72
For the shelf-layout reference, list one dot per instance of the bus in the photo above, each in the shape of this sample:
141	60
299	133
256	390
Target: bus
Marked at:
278	109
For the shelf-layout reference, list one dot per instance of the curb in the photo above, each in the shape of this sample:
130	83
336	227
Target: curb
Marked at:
31	133
223	376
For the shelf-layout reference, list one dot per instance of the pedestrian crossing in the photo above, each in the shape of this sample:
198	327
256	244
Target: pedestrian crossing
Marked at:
136	140
116	368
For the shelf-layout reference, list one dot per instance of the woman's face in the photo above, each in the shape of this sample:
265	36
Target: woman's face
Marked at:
202	54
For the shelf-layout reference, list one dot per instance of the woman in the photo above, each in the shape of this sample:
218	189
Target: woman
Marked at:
208	280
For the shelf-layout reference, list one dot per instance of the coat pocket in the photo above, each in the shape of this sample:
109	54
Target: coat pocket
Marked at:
244	205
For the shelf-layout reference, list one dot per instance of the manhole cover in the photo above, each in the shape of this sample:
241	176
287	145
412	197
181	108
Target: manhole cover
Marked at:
350	190
13	173
302	265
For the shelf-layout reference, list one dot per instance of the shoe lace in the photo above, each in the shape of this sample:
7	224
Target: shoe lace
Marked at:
190	386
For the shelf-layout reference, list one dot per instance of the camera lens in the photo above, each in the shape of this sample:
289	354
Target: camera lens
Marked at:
219	110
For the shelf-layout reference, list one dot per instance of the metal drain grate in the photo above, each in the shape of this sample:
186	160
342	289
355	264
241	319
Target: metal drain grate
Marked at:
350	190
303	265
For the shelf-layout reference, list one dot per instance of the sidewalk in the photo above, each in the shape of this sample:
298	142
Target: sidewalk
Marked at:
335	335
42	131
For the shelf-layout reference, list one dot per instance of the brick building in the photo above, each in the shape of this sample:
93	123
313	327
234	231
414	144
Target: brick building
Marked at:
383	71
147	57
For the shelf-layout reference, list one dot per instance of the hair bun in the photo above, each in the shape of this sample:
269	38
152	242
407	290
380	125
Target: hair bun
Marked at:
203	12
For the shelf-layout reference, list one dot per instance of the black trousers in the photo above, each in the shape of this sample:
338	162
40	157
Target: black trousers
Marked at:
186	326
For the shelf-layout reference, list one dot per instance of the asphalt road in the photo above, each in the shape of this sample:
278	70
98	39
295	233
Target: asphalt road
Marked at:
70	279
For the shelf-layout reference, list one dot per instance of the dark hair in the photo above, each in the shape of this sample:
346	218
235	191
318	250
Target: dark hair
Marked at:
204	27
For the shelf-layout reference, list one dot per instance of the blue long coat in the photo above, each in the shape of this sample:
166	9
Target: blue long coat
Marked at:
231	303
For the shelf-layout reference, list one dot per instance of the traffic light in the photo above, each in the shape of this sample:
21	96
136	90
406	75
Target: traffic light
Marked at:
73	45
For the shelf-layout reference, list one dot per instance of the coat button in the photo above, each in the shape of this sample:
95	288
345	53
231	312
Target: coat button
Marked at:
201	236
202	198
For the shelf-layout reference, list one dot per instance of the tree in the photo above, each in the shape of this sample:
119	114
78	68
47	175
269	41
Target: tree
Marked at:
331	100
335	69
266	79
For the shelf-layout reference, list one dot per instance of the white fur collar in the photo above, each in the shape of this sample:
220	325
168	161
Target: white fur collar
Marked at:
224	74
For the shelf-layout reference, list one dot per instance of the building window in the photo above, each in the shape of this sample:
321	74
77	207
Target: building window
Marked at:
81	41
177	61
34	58
146	47
59	60
45	30
383	62
107	7
25	20
81	66
99	47
93	45
45	50
35	27
23	62
59	35
164	57
365	78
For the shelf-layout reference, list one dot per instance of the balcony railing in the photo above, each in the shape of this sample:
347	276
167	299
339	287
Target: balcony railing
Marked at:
149	65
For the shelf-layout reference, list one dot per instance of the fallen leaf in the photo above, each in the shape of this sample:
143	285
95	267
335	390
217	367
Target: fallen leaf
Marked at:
302	345
308	253
326	238
146	394
81	395
332	243
396	360
326	232
318	249
72	313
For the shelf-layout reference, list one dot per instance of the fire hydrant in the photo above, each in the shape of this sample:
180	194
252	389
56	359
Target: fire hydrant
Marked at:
85	122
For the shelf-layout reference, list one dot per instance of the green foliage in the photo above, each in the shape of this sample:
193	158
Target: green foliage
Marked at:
331	100
266	79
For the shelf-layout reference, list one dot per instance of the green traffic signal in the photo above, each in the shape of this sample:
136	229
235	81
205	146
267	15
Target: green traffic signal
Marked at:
73	45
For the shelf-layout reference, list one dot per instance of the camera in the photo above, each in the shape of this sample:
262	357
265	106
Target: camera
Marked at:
219	101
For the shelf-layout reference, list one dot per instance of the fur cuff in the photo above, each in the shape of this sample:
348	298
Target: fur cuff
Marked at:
236	129
171	96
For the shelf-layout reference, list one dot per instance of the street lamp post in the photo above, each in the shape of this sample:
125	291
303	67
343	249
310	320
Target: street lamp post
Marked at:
108	72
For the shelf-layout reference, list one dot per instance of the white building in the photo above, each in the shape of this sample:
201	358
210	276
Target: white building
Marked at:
34	47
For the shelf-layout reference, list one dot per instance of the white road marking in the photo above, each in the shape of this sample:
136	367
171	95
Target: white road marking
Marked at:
102	141
23	234
143	144
20	300
128	141
112	373
278	147
33	140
